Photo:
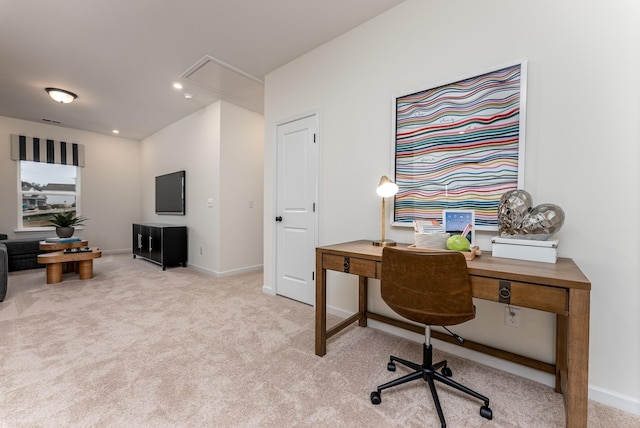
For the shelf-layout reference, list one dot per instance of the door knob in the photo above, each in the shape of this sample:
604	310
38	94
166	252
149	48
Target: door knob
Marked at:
279	218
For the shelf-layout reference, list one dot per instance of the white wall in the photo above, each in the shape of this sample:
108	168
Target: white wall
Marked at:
241	188
219	147
110	183
191	144
582	147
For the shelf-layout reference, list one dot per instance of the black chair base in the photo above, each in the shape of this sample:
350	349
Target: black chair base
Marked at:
428	372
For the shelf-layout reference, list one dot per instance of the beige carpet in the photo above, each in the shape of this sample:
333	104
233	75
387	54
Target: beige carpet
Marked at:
136	346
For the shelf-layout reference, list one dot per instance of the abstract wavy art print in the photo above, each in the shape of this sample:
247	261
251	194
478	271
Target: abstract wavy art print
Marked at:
460	146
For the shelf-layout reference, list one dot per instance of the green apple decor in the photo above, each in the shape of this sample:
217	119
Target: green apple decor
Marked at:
458	243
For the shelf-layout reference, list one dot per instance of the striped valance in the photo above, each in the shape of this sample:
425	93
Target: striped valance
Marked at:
44	150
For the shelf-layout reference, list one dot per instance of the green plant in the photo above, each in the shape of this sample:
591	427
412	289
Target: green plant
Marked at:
67	219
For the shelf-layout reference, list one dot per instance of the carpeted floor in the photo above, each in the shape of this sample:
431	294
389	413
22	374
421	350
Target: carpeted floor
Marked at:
138	346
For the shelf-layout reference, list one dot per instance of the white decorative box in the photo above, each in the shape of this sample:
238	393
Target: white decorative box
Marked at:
431	240
525	249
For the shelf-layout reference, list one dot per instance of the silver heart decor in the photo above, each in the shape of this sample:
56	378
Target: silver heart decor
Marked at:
517	217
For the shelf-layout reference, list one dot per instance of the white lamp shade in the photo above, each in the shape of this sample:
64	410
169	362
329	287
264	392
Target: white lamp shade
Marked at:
386	187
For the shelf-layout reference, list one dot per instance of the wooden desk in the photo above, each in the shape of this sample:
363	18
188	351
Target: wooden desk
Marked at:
559	288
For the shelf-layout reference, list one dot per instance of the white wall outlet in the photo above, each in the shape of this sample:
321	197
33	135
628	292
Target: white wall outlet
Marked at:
250	204
512	317
210	203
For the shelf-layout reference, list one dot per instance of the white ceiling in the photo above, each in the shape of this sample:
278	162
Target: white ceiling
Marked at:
121	56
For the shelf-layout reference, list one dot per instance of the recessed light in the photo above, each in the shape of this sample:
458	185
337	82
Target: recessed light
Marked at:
188	96
115	131
177	85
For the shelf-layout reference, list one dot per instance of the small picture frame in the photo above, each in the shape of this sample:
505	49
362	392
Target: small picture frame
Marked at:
456	222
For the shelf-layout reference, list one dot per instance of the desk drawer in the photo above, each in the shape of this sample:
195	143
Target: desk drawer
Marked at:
352	265
535	296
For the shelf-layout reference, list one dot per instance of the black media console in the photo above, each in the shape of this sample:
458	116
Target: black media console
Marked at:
163	244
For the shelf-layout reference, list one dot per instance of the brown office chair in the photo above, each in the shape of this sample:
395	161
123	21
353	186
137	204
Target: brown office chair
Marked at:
431	288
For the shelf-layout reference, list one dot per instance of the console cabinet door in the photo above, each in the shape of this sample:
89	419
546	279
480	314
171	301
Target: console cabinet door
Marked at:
155	244
140	240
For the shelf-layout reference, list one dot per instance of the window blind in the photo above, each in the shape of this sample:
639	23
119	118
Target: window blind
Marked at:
46	150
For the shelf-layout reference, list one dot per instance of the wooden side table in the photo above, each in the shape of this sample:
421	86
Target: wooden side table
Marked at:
60	246
55	260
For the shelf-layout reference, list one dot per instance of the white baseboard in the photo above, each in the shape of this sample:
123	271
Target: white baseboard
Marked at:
601	395
267	289
614	399
225	273
121	251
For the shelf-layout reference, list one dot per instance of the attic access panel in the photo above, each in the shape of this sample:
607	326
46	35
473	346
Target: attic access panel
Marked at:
230	83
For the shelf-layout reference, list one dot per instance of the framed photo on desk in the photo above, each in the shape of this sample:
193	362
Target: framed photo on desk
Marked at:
456	222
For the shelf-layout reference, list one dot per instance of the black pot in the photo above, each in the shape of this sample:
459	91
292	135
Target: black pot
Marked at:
65	232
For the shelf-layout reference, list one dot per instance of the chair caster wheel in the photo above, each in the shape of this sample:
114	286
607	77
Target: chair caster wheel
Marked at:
485	411
391	366
375	398
446	371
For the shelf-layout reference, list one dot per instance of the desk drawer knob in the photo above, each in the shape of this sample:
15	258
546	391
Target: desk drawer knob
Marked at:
347	264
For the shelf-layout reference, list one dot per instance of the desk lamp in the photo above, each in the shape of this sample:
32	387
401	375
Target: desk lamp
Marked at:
386	188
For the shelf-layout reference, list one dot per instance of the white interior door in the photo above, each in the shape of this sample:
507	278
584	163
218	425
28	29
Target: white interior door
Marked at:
296	209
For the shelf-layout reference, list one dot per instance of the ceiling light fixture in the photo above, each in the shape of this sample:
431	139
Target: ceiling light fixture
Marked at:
115	131
188	96
177	85
60	95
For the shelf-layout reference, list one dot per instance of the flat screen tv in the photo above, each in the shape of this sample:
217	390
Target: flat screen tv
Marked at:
170	193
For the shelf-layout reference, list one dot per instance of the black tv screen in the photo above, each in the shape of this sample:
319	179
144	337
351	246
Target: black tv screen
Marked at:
170	193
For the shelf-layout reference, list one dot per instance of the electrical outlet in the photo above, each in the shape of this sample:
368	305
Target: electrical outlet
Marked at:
512	317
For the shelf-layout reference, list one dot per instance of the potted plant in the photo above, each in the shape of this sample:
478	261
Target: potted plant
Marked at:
65	223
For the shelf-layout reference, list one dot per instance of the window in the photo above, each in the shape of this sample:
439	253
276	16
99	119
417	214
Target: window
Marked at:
45	189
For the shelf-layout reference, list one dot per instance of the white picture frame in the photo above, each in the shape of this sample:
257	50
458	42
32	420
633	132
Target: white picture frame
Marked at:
460	145
455	222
